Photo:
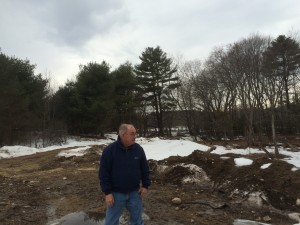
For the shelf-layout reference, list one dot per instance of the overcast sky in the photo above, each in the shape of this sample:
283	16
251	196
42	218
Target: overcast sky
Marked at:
59	35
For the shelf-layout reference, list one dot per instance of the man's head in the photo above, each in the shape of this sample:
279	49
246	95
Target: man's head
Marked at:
127	133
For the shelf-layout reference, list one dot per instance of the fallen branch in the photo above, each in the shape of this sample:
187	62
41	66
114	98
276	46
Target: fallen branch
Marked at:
211	149
268	153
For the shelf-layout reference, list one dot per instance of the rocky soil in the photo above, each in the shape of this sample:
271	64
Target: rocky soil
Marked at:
202	188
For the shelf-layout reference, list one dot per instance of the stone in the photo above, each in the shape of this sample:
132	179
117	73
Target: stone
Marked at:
176	201
254	199
266	218
294	216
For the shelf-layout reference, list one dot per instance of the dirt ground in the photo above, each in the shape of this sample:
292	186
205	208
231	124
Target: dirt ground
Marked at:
40	188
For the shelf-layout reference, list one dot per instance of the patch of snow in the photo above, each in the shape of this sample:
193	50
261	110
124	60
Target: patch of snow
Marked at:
242	161
16	151
293	158
73	152
111	136
161	168
224	157
265	166
159	149
221	150
155	148
197	177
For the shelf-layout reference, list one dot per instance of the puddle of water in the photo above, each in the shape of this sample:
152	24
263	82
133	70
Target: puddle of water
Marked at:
81	218
77	218
248	222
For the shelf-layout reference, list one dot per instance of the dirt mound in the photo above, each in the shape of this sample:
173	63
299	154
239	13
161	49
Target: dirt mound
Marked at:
279	183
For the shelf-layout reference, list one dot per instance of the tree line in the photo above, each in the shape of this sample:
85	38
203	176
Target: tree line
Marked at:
248	88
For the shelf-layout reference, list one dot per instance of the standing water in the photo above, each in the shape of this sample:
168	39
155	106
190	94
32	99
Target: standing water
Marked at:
81	218
77	218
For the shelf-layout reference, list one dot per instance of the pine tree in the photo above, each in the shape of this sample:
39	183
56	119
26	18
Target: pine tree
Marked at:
284	57
22	94
86	104
156	80
124	93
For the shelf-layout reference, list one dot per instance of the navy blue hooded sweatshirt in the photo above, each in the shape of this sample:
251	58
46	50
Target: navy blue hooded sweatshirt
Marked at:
122	170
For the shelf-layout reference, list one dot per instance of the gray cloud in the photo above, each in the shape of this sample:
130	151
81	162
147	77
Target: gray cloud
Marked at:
73	22
58	35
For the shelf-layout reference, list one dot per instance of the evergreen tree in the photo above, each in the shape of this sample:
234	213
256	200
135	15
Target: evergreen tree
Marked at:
66	110
124	93
156	80
22	95
284	58
95	88
86	104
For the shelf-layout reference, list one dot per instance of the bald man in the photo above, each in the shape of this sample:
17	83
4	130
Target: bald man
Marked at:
124	177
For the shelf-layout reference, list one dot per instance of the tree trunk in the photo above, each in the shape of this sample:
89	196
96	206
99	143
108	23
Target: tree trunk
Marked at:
250	129
274	133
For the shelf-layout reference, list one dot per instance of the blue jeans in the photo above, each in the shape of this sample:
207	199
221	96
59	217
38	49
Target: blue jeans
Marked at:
133	203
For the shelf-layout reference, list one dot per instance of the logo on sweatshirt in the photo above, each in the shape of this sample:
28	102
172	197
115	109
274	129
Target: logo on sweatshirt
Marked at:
136	157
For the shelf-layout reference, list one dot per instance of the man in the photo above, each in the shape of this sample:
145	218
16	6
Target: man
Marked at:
124	177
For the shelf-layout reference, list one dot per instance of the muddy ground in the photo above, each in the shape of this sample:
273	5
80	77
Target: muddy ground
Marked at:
40	188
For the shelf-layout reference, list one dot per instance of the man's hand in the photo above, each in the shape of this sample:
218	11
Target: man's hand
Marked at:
109	200
143	191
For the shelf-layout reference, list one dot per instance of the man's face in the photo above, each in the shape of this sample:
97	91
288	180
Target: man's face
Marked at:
129	137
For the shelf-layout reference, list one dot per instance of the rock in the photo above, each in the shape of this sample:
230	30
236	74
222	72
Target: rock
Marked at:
192	221
176	201
33	181
184	174
145	217
255	199
258	218
294	216
64	178
298	202
266	218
